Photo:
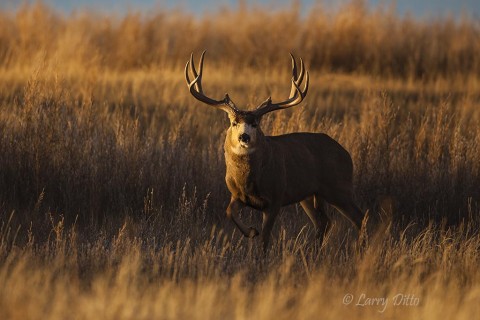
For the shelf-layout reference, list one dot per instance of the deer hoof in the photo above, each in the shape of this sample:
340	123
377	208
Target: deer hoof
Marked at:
252	232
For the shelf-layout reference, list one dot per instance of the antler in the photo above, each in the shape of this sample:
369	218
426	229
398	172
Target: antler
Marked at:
195	87
296	94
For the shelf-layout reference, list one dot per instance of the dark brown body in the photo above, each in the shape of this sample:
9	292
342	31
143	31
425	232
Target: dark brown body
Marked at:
304	168
258	179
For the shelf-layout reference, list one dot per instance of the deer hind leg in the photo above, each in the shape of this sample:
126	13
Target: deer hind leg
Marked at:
349	209
314	208
234	207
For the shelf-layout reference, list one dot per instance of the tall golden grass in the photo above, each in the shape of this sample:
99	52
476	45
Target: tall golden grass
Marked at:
351	39
112	195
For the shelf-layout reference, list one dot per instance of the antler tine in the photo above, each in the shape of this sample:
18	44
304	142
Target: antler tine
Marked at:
296	98
296	80
296	94
302	72
187	78
305	88
196	90
198	84
294	76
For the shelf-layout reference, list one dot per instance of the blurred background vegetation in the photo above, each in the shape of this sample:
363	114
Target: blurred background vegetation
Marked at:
355	38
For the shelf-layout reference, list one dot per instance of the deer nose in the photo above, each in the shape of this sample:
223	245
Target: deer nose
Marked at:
244	138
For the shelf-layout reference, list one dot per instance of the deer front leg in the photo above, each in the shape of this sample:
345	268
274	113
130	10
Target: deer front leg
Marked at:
234	207
267	225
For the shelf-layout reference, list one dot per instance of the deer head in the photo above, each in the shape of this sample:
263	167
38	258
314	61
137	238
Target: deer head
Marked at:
244	132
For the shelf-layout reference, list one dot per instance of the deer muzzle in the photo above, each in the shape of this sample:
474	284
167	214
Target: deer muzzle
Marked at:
244	137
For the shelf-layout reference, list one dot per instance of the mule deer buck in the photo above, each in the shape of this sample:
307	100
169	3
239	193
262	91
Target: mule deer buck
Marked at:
268	172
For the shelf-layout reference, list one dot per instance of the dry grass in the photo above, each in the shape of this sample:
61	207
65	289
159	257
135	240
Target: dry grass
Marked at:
352	39
111	176
221	276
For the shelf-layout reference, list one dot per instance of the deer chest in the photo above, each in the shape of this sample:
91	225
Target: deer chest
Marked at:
247	189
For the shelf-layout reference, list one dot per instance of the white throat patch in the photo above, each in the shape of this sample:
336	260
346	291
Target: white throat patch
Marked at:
239	150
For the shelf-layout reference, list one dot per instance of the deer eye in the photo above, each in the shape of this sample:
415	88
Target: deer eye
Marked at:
234	123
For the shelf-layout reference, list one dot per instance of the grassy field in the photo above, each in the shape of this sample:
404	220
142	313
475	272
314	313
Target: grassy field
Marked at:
112	193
